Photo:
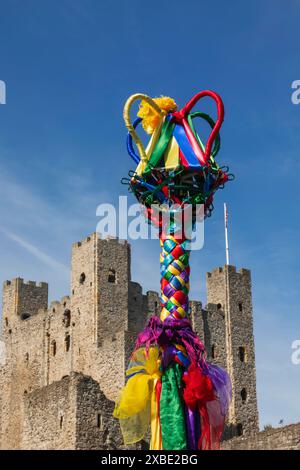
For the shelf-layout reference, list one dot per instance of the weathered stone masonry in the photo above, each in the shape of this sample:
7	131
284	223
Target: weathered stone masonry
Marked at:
65	364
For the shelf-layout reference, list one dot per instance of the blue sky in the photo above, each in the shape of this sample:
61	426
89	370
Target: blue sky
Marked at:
69	65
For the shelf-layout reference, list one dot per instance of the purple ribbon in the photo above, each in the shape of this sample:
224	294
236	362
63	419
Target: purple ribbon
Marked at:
173	331
192	421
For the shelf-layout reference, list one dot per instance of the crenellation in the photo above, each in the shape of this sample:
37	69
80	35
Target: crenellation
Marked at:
245	273
43	285
82	243
30	283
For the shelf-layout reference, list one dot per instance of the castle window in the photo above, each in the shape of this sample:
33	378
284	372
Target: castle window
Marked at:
61	421
242	354
244	395
67	343
81	278
67	318
24	316
213	351
239	429
27	357
99	421
53	348
112	276
6	321
240	306
219	306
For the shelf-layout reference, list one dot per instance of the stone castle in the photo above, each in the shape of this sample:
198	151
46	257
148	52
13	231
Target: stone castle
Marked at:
65	364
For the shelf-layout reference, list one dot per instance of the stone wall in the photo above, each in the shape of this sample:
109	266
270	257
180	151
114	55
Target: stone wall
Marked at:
50	417
285	438
24	367
196	318
96	428
72	413
38	351
214	326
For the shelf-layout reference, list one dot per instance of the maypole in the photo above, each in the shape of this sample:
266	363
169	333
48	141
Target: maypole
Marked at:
169	384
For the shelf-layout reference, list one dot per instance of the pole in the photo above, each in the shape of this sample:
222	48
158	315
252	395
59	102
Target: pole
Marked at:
226	232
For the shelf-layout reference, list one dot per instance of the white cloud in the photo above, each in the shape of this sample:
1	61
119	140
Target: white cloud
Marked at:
33	250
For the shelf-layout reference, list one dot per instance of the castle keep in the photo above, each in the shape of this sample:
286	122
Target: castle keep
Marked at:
65	364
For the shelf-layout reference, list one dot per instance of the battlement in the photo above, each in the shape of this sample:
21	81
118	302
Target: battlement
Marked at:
22	299
84	241
98	237
228	269
151	293
112	239
18	281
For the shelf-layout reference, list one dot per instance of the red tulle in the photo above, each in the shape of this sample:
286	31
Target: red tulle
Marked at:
199	395
198	388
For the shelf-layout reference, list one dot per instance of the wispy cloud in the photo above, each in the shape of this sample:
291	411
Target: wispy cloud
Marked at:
44	224
36	252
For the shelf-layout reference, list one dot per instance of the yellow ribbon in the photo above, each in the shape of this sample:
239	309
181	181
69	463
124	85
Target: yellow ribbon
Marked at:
156	439
137	406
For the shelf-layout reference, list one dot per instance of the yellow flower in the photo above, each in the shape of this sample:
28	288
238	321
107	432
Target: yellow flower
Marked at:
150	118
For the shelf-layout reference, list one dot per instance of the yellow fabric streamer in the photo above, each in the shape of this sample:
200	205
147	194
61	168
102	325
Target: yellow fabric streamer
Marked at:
156	439
137	405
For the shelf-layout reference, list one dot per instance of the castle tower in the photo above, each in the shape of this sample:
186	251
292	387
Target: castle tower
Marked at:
22	300
100	288
24	369
231	341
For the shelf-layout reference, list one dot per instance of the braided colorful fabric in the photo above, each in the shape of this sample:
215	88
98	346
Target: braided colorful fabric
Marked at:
169	384
175	273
